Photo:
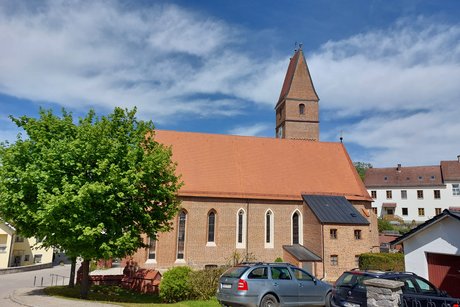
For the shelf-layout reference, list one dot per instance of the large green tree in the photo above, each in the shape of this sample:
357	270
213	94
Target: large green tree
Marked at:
361	168
91	187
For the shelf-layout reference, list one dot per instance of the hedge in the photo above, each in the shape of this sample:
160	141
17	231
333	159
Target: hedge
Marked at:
382	262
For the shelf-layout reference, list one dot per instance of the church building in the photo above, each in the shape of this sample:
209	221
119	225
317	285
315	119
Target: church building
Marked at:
259	199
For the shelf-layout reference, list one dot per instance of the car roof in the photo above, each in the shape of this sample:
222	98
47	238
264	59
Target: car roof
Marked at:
378	274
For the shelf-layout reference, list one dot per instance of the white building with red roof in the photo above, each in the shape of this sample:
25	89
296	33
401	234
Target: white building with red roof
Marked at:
415	193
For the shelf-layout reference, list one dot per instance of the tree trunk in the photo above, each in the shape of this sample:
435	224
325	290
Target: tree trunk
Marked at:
73	266
84	279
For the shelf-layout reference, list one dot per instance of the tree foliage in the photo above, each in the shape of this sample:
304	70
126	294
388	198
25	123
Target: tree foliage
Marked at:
92	187
361	168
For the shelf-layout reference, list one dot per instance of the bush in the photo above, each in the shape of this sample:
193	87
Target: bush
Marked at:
382	262
175	285
279	259
204	283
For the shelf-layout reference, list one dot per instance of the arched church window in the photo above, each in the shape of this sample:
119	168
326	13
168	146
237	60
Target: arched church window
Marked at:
295	228
211	226
181	235
241	229
301	109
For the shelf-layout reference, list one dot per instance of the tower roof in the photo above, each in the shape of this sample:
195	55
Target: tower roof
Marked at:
297	83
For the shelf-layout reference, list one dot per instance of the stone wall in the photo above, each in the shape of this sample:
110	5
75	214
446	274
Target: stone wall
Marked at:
383	292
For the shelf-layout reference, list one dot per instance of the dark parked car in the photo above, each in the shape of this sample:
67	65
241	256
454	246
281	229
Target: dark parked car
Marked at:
349	290
271	284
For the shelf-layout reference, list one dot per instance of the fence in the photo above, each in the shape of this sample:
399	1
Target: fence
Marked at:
56	280
408	300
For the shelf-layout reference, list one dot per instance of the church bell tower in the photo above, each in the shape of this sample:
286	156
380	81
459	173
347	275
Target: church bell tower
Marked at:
297	110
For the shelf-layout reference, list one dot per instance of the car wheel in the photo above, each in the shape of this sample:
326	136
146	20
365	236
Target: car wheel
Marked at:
269	301
327	301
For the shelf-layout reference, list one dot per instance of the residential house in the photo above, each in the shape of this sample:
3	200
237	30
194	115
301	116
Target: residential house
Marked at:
259	198
432	250
414	193
16	250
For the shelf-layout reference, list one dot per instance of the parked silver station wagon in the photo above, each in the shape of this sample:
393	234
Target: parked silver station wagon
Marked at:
271	284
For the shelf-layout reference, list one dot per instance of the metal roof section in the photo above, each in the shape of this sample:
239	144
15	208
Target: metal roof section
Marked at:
301	253
444	214
334	210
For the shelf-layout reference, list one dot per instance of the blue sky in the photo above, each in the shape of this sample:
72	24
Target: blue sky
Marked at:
387	72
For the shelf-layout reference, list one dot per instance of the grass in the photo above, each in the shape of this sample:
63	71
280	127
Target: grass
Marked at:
122	297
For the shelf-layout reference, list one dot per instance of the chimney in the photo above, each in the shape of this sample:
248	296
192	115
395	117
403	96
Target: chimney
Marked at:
399	167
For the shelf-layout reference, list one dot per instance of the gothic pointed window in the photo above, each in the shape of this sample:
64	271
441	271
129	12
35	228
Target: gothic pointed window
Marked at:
241	229
211	226
181	235
152	248
295	228
269	229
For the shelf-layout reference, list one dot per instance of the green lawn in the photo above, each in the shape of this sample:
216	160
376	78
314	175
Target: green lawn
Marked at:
122	297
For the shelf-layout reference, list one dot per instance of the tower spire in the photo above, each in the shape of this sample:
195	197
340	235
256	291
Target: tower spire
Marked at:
297	108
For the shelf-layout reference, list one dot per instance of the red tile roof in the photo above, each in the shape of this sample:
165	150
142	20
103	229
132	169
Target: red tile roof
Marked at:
451	170
297	83
262	168
412	176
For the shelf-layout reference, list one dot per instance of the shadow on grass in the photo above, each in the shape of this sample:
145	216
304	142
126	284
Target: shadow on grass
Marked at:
122	297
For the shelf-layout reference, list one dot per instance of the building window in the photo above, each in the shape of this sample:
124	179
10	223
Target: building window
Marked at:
38	258
152	248
26	257
421	211
419	194
296	228
389	195
375	210
2	248
374	194
455	189
333	233
241	229
390	211
437	194
403	194
301	109
437	210
269	229
334	260
211	226
279	132
405	211
19	239
181	235
357	261
357	234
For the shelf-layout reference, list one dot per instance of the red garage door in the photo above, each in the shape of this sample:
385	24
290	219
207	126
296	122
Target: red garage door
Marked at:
444	272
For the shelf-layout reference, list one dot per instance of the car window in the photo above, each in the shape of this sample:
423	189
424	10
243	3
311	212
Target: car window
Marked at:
235	272
409	286
301	275
424	287
258	273
280	273
346	279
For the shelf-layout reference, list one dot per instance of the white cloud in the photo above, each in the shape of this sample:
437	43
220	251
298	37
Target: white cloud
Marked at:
409	66
258	129
163	59
400	86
